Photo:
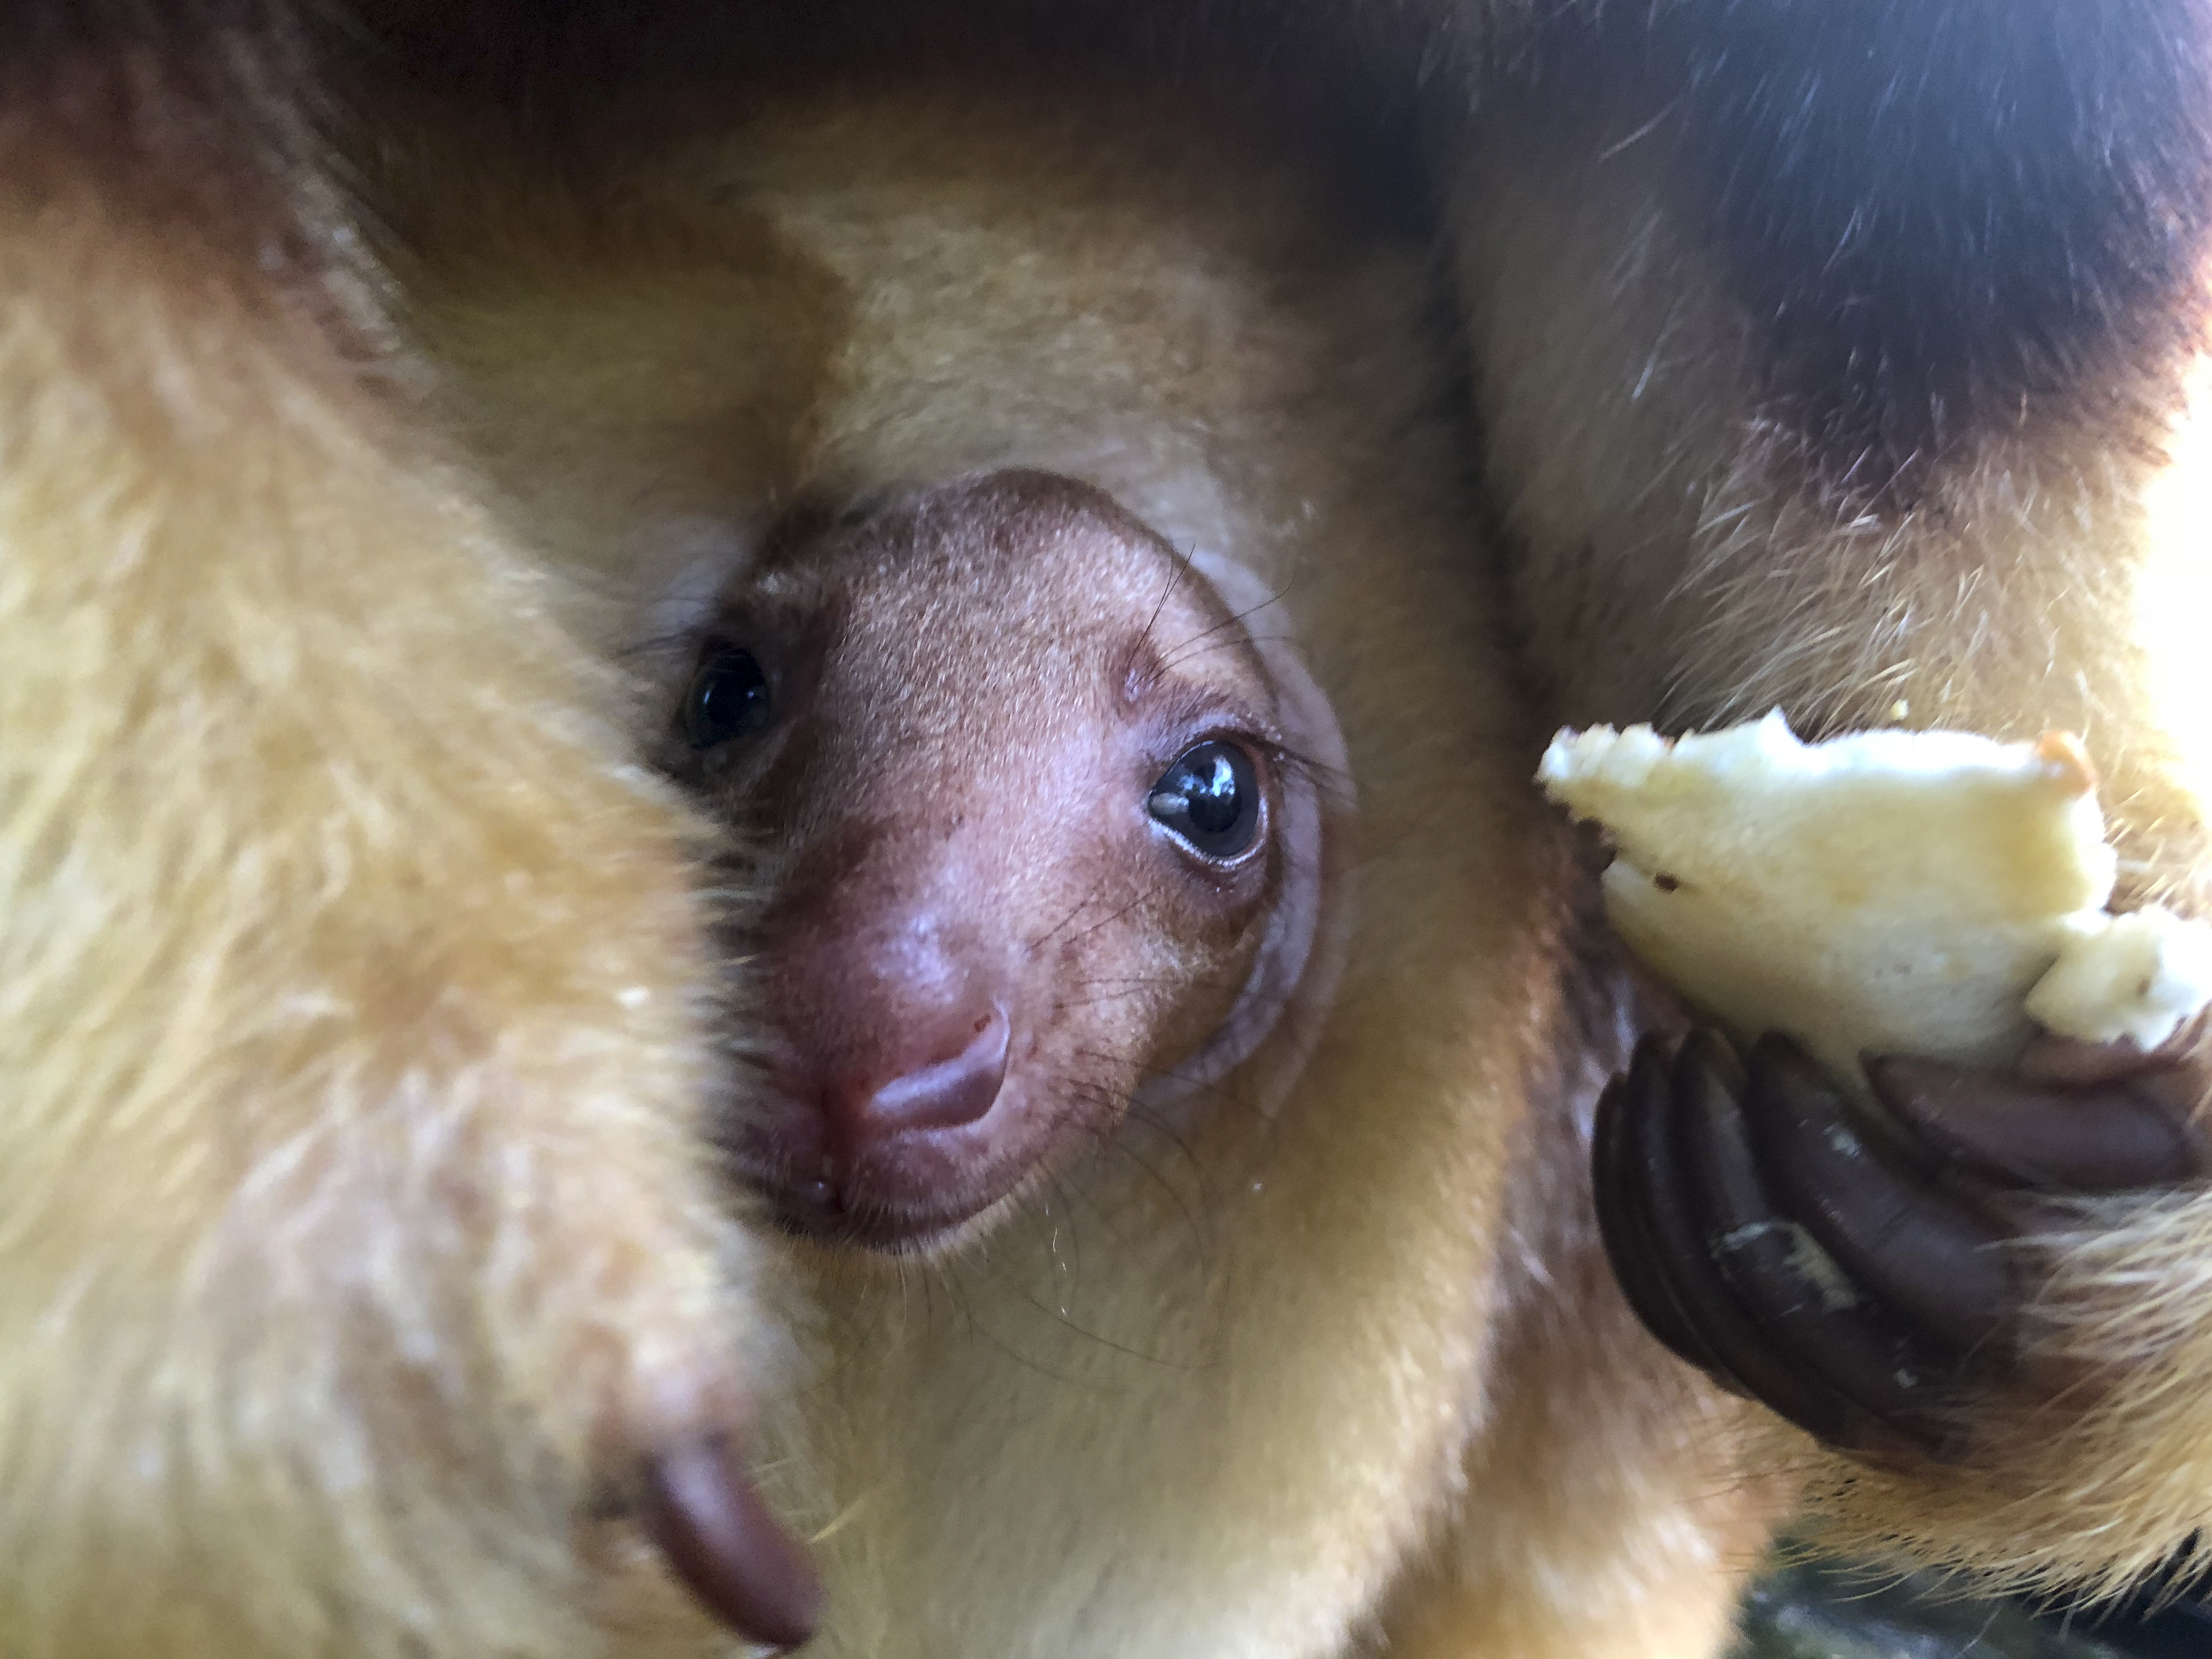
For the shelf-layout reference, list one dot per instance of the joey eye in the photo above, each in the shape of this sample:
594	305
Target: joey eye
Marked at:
728	697
1210	799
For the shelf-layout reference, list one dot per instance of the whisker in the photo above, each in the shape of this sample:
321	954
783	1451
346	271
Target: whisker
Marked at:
1274	597
1108	921
968	1318
1205	640
1182	567
1109	1141
1076	909
1135	986
1214	1087
680	640
1147	1118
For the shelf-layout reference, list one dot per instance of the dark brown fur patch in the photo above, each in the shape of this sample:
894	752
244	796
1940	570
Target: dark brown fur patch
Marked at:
197	129
1944	220
196	113
1950	218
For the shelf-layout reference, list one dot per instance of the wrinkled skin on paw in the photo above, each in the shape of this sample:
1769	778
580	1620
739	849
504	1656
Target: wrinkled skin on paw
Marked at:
1869	1274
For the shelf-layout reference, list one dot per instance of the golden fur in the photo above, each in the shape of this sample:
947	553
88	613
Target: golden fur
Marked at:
2045	579
1092	1402
358	1019
349	961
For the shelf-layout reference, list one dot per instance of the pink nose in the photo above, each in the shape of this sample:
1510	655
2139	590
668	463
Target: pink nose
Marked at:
892	1032
858	1150
937	1094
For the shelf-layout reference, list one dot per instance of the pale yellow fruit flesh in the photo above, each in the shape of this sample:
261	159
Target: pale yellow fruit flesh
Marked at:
1886	892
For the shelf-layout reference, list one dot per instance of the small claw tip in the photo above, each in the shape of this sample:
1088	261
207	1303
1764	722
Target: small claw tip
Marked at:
719	1539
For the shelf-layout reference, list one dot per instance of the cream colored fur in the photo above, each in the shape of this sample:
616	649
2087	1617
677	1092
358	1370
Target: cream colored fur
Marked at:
350	1039
1212	1393
354	1023
1683	564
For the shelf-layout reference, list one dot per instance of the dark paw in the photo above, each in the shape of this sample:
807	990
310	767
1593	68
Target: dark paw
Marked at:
1850	1268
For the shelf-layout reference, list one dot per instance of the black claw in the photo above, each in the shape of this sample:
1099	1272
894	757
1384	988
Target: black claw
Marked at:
1623	1216
1741	1350
1929	1253
1803	1304
1853	1273
700	1506
2080	1139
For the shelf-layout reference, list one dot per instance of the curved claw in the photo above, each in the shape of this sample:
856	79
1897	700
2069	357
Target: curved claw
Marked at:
701	1509
2095	1139
1934	1254
1625	1224
1729	1343
1812	1316
1809	1255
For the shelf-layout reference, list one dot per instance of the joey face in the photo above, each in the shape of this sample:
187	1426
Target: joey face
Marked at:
1038	829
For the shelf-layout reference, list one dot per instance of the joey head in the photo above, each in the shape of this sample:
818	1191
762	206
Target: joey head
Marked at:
1039	830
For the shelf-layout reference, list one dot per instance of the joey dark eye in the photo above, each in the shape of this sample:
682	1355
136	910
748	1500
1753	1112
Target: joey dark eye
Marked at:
1210	798
728	697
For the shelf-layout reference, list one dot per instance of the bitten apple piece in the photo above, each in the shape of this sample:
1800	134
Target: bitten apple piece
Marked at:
1932	893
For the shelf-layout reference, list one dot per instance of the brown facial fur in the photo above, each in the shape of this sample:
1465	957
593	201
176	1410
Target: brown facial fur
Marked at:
1207	1382
975	948
351	1062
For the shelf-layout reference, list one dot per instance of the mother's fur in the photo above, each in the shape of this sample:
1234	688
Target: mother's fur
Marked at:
358	1018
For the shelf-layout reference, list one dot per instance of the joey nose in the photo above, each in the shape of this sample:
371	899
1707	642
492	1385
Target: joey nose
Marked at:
893	1019
962	1066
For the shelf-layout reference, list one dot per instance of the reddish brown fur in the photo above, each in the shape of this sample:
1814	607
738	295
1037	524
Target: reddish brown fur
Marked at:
1113	1396
354	1243
973	693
